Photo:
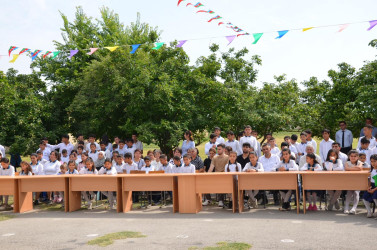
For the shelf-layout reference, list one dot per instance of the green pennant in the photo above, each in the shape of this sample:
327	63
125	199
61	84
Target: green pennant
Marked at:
257	36
158	45
55	54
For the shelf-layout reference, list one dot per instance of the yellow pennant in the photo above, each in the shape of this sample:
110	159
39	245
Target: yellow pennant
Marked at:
112	48
15	56
305	29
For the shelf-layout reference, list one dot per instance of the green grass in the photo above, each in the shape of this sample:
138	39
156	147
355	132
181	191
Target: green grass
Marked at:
108	239
6	217
227	246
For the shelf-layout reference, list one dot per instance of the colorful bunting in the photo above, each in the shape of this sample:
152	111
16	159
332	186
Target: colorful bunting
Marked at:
72	53
180	43
244	34
220	23
188	4
257	36
179	2
15	56
343	27
92	50
211	12
230	39
281	34
46	54
35	54
306	29
55	54
372	24
12	48
158	45
24	50
214	18
112	48
198	5
134	48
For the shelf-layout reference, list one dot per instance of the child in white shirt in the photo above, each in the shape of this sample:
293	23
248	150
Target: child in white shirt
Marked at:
129	165
148	165
333	163
108	169
253	166
6	170
89	169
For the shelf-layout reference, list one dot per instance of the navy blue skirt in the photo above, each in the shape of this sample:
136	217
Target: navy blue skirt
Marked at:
370	197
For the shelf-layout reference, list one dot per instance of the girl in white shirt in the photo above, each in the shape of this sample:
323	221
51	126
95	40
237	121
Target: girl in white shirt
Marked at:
311	165
333	163
353	164
232	166
6	170
25	169
370	195
89	169
37	168
253	166
286	165
52	167
108	169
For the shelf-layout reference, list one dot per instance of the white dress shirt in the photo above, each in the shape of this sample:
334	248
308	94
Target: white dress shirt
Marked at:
317	167
372	143
147	169
250	139
324	147
290	166
98	148
233	167
258	167
183	169
220	140
269	164
7	172
69	147
208	146
111	171
37	169
52	167
348	138
129	167
235	145
338	166
368	152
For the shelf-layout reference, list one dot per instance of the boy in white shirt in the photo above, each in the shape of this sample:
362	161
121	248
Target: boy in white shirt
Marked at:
368	135
364	148
310	140
211	144
93	153
103	147
129	164
6	170
121	148
137	144
148	166
45	151
232	142
302	145
119	163
219	139
291	147
259	149
65	144
165	165
325	145
64	157
130	148
248	138
92	139
274	150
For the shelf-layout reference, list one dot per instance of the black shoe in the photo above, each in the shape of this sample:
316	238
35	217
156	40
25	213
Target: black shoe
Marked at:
230	204
36	202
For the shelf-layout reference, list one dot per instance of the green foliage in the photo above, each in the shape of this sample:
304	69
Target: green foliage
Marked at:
108	239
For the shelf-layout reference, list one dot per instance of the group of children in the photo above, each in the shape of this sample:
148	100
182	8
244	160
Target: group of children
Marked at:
242	155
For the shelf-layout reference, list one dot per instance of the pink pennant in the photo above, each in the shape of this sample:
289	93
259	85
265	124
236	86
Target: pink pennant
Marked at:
230	39
92	50
220	23
343	27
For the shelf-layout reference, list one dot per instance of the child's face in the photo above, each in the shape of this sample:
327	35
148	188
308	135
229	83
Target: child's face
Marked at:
373	162
103	147
39	157
232	157
121	145
128	160
287	140
33	159
303	138
212	154
253	158
177	162
151	155
137	155
4	165
163	161
326	136
72	167
226	151
84	157
286	155
362	158
333	155
272	143
177	153
108	165
92	148
119	160
129	144
91	139
89	165
186	160
42	146
147	162
23	166
213	140
157	155
247	131
230	137
309	160
79	150
217	132
255	134
65	154
63	170
354	157
364	145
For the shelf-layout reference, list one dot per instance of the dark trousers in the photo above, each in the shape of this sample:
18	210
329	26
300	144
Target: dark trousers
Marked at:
345	150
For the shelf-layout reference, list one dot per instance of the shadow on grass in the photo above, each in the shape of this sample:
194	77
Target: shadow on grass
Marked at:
6	217
108	239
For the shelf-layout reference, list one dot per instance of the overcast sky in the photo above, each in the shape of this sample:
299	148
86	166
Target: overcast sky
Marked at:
36	23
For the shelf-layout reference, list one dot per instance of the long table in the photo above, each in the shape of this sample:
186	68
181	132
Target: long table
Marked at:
333	180
9	186
267	181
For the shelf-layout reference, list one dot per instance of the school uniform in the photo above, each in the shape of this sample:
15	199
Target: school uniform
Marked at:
140	163
315	167
345	138
372	143
324	147
334	194
302	148
313	143
293	150
155	164
147	169
367	196
52	167
104	170
87	147
93	155
9	171
88	194
220	140
290	166
208	146
45	153
252	193
275	151
43	162
368	152
22	173
303	160
37	169
343	157
69	147
64	158
233	167
73	172
235	145
172	161
121	151
130	150
186	145
183	169
334	166
107	154
259	150
78	159
87	171
250	139
128	167
352	195
166	168
108	194
269	164
138	145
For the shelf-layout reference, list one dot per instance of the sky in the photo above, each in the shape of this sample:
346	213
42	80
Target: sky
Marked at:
36	23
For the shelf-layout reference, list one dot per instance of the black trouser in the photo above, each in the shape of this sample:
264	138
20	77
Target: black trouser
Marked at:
345	150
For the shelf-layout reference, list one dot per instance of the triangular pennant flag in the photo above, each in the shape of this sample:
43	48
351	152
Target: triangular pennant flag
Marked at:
203	11
188	4
72	53
35	54
55	54
112	48
92	50
214	18
230	39
46	54
24	50
281	34
134	48
12	48
375	178
15	56
158	45
179	2
220	23
211	12
257	36
244	34
372	24
343	27
198	5
305	29
180	43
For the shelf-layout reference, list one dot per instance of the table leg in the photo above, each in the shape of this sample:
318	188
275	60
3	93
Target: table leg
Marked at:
74	202
119	195
240	201
127	201
175	195
303	199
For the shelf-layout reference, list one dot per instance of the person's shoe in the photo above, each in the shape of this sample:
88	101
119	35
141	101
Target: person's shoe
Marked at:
310	208
337	206
353	211
206	203
230	204
36	202
314	208
90	206
329	207
369	215
221	203
111	206
254	204
346	211
60	199
55	199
